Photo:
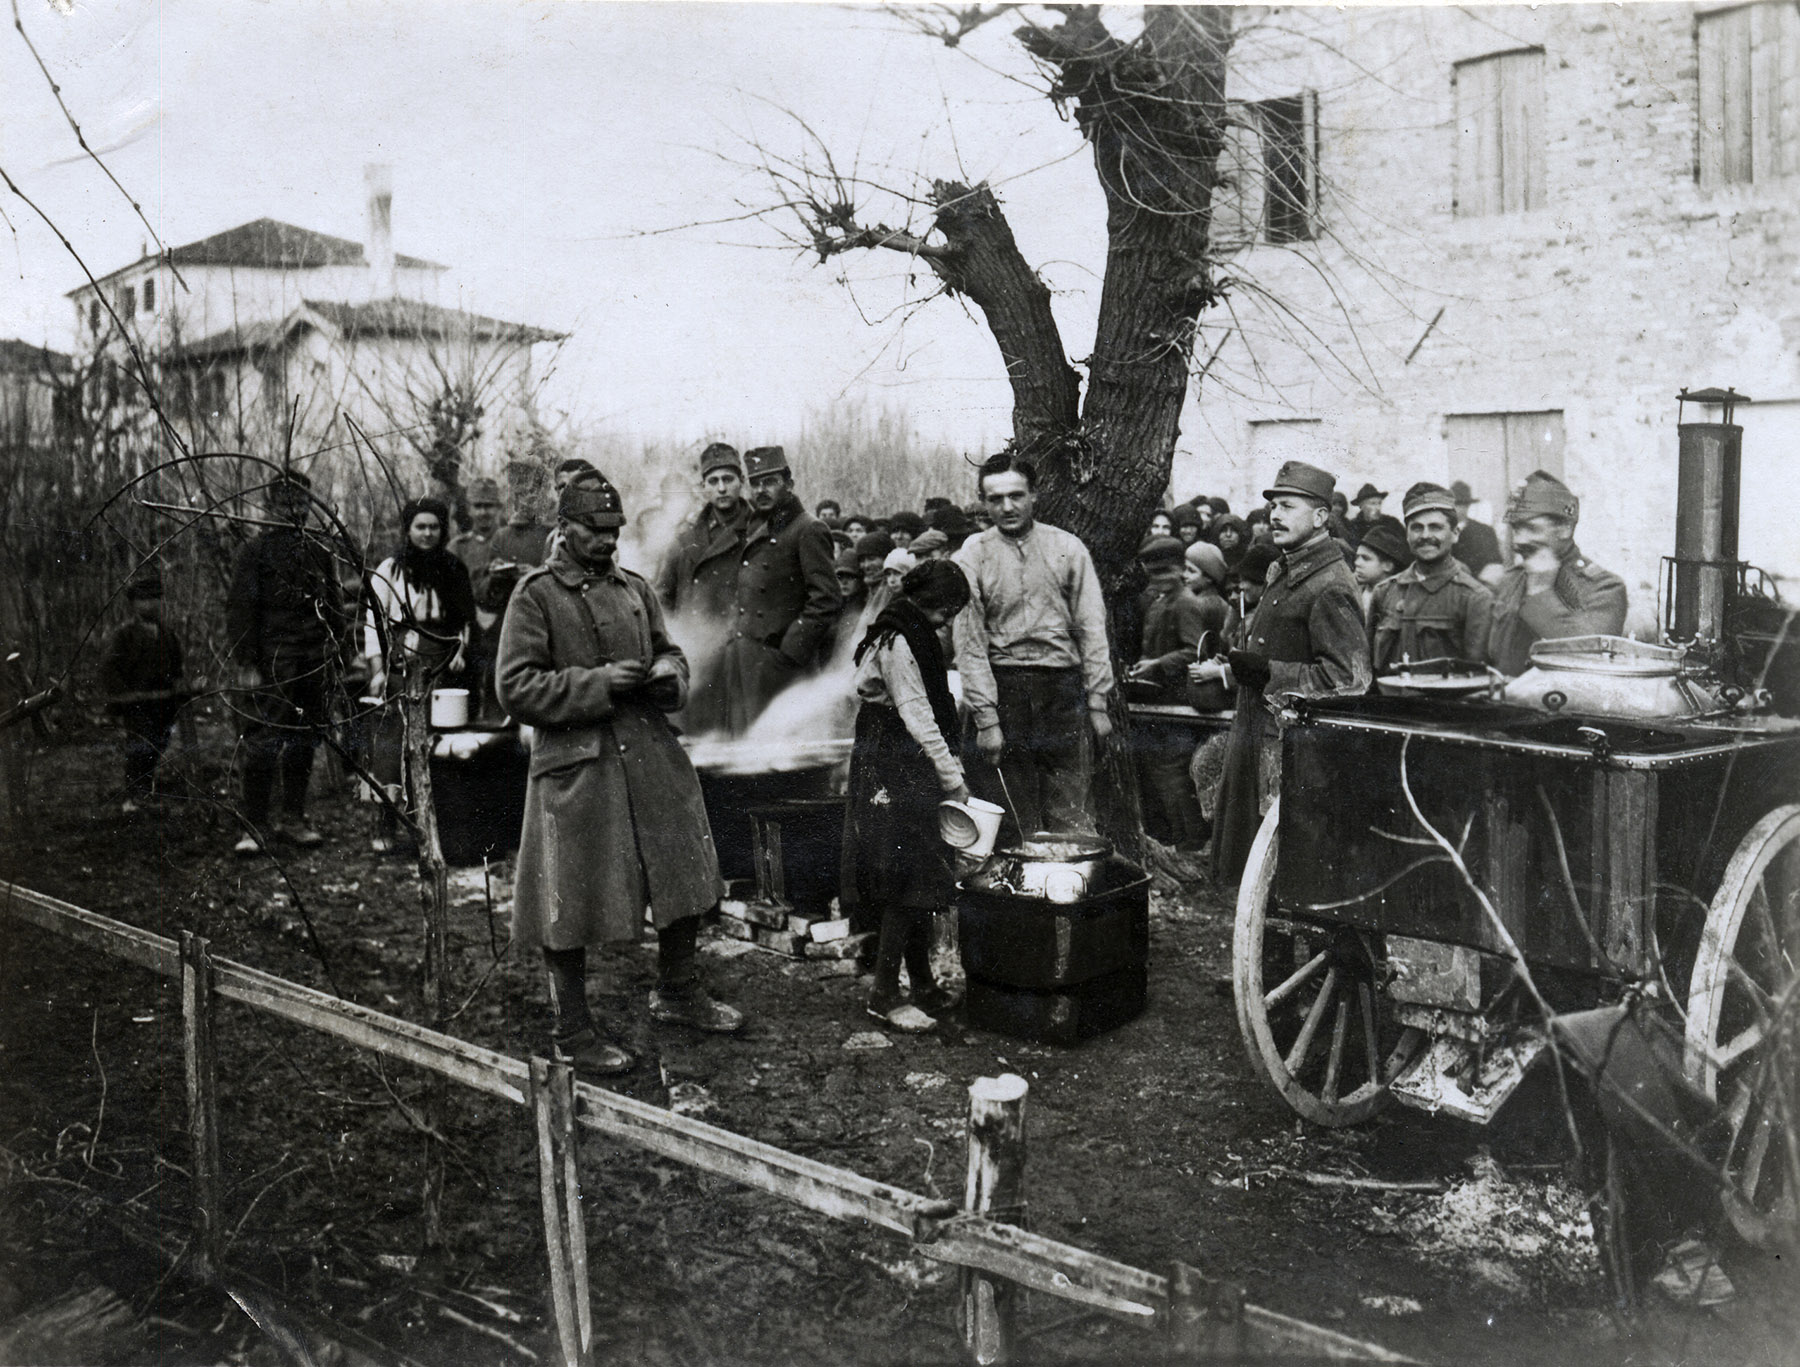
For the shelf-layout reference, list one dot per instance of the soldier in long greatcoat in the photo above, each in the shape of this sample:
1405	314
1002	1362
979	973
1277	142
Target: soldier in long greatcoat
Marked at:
698	582
1306	638
787	593
614	820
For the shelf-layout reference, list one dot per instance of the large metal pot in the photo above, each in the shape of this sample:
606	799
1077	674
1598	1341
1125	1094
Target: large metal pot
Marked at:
1055	868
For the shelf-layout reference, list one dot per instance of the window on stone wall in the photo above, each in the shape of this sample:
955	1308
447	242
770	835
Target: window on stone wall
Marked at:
1494	452
1268	172
1749	93
150	296
94	315
1500	133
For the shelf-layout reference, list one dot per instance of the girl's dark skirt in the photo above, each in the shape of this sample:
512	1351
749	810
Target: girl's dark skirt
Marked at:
893	854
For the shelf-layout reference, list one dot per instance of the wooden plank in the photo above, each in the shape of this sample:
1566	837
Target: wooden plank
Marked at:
470	1064
830	1191
157	953
200	1063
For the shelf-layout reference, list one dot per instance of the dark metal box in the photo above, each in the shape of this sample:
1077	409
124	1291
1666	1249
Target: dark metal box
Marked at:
1026	942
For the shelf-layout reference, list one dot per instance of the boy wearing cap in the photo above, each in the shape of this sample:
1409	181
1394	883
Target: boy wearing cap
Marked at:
697	581
142	676
786	602
1307	637
1434	608
475	548
1176	624
614	819
1380	553
1554	591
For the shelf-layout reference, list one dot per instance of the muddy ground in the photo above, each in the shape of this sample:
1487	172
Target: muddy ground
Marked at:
1151	1144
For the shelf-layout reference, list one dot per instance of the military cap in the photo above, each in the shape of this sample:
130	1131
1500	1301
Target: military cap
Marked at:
719	455
146	583
1368	491
484	491
1161	550
874	543
592	501
1385	541
1542	494
1425	497
928	541
765	460
1297	477
1208	559
1461	492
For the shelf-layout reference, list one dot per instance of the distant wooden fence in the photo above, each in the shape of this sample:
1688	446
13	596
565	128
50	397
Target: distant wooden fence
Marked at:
1200	1317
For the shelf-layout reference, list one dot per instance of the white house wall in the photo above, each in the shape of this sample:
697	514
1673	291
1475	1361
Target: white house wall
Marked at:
1629	284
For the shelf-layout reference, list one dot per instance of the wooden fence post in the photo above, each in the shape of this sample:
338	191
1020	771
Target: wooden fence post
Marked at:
419	802
201	1063
1206	1318
995	1188
559	1185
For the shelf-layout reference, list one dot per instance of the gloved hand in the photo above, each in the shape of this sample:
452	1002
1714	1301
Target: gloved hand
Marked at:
1250	669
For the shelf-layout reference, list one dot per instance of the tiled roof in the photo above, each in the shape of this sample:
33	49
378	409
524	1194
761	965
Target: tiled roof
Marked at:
22	358
378	318
411	318
269	243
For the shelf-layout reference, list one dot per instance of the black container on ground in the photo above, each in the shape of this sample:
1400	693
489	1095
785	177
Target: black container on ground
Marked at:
1057	973
481	799
1031	943
798	846
1066	1017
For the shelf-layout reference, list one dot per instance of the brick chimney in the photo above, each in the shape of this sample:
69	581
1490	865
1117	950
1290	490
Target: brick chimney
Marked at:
378	180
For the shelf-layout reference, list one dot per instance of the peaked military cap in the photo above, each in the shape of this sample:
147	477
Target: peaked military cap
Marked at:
1309	481
591	500
1542	494
719	455
484	491
765	460
1425	497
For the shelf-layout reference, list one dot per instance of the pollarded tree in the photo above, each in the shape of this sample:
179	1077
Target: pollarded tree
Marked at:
1152	107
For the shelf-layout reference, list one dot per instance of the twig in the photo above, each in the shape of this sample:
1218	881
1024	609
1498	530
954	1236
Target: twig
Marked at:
100	1115
1427	1185
487	1329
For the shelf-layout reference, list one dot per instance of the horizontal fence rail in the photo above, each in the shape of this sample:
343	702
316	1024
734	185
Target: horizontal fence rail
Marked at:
940	1229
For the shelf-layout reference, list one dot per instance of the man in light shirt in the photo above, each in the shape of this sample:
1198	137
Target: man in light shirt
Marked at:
1031	648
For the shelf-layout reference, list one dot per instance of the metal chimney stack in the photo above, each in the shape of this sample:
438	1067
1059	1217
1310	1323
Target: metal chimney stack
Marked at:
378	181
1707	573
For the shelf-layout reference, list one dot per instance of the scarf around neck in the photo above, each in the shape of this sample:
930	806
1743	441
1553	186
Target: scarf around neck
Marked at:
902	618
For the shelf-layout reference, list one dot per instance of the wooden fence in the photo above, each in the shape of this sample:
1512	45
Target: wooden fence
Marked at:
1199	1317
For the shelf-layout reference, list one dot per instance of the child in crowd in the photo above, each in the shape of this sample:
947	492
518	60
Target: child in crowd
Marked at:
142	677
1380	553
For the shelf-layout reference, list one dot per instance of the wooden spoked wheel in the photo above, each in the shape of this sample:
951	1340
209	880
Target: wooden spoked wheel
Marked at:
1743	1027
1307	1007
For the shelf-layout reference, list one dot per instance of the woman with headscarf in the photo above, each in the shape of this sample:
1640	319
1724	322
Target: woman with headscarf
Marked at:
1230	534
420	613
904	763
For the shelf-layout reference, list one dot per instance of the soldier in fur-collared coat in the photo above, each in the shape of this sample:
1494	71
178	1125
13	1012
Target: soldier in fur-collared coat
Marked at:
614	819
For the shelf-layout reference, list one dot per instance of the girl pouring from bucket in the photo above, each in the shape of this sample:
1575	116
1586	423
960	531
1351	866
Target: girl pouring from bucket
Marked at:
903	765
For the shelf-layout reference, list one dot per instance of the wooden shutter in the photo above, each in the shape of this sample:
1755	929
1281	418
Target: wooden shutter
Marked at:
1521	80
1725	69
1534	441
1477	139
1774	95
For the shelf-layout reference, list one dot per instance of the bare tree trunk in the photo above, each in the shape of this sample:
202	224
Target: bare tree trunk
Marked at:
1154	112
434	898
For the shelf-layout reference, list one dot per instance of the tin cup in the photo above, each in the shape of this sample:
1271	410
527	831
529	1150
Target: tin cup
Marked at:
971	826
449	708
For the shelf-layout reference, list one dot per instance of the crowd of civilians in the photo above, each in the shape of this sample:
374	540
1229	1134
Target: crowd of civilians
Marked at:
1307	593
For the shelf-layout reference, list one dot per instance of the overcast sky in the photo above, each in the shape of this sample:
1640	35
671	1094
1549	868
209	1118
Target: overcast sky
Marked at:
530	144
